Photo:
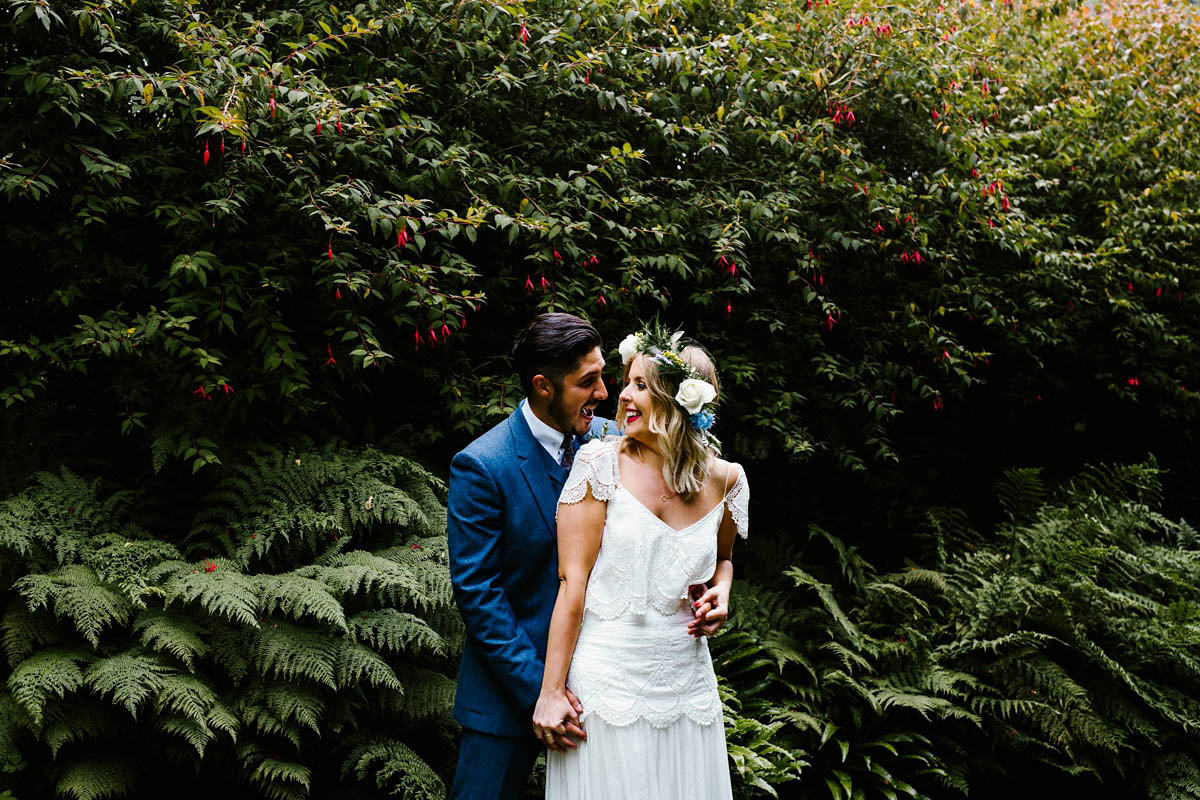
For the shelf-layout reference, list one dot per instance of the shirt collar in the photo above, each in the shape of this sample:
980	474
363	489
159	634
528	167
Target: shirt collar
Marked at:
551	439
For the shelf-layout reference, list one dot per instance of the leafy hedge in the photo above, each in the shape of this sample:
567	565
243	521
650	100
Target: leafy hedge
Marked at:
896	226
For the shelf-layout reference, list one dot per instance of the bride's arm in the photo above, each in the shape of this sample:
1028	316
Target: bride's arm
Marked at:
580	528
712	607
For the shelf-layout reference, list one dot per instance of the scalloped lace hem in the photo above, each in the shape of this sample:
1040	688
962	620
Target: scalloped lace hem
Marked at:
623	719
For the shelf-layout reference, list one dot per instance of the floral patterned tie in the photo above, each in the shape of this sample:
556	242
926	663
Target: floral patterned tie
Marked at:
568	454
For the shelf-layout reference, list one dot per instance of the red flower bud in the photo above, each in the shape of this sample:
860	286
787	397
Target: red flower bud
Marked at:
272	106
206	152
318	125
222	146
432	335
728	309
331	251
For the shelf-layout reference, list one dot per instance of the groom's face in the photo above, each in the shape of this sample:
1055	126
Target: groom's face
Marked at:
575	397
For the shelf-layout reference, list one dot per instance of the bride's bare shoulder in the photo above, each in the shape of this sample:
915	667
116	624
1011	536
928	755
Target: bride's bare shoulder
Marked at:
723	473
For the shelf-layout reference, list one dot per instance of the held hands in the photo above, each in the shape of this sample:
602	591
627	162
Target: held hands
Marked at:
556	719
711	608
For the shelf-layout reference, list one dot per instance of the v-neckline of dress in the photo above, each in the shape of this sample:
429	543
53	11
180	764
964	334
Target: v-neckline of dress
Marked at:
663	522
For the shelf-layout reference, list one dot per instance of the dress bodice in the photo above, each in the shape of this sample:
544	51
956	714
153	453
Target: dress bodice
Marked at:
643	562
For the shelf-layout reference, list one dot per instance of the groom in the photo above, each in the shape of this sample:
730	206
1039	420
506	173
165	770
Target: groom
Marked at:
503	554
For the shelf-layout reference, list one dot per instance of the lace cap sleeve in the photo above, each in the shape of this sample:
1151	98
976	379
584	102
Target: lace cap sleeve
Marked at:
738	502
596	466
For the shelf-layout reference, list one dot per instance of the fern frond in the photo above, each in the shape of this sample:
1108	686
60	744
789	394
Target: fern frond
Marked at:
357	664
786	649
803	580
177	693
24	631
50	673
275	777
394	767
130	678
427	694
300	597
849	659
97	777
76	592
927	706
1022	493
222	592
286	651
1173	776
301	704
393	631
197	735
173	633
9	713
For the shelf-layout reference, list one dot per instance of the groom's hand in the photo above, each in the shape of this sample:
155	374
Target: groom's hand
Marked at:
711	610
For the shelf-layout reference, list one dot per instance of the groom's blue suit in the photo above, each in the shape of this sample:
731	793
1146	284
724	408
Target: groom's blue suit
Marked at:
504	490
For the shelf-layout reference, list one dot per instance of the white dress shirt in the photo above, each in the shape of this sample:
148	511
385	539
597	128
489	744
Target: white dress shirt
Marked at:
549	438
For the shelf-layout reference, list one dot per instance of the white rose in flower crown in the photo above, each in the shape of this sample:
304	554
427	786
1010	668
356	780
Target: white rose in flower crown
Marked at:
629	347
694	393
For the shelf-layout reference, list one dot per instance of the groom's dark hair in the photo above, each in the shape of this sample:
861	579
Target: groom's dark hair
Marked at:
552	345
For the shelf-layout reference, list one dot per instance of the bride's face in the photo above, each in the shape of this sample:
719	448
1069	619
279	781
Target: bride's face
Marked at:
634	403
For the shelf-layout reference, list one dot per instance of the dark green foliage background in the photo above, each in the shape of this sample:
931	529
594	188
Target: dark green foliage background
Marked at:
927	243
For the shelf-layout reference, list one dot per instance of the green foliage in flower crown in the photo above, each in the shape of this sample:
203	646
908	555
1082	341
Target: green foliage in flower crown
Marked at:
303	631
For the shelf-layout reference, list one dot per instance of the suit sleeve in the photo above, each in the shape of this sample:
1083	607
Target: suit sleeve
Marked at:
474	527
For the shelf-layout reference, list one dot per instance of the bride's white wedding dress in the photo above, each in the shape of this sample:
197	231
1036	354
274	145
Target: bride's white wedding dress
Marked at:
649	694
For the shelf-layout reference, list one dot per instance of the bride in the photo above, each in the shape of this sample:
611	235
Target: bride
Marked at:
642	521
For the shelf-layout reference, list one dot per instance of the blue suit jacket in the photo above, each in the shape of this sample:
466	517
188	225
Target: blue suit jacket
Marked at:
504	490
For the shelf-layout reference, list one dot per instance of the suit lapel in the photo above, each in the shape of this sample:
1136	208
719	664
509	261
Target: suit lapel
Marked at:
543	476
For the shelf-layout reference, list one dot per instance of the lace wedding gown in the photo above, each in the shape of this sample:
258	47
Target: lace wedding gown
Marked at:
649	694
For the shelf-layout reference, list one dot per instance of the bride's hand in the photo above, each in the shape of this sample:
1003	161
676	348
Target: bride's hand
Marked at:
711	611
556	720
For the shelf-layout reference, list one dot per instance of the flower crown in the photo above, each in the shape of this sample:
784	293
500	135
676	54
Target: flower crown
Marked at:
695	394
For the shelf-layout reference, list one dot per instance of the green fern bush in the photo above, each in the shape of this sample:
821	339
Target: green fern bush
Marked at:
1059	650
299	641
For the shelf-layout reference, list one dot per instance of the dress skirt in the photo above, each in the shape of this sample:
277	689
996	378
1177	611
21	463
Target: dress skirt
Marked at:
651	712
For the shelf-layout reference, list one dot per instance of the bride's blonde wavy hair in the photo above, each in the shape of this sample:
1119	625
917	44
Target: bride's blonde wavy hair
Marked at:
686	456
